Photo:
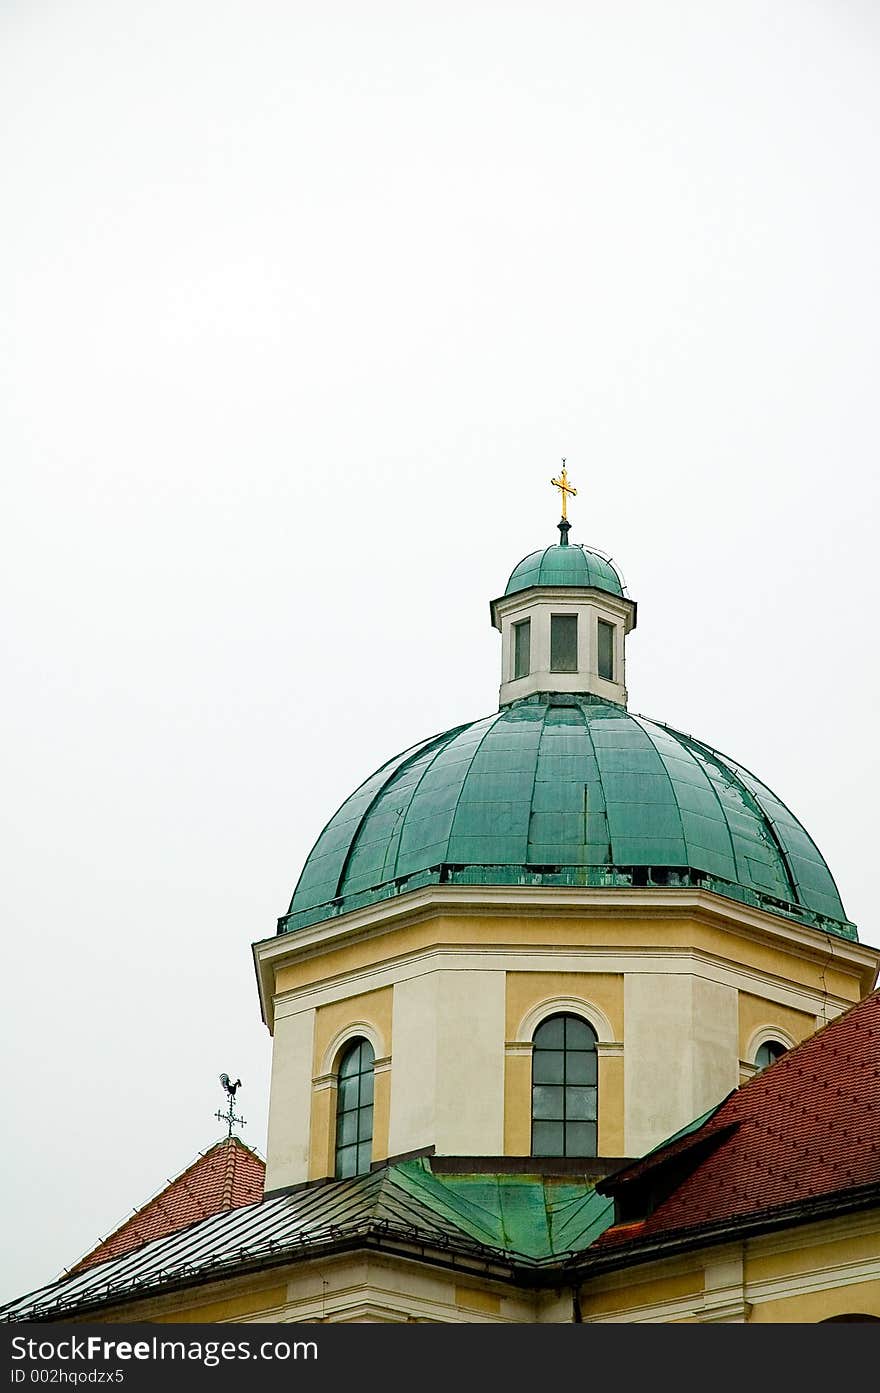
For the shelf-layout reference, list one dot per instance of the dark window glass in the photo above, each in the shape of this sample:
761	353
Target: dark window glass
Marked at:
606	650
549	1067
548	1138
578	1035
522	648
552	1033
580	1138
347	1096
548	1103
580	1104
564	1088
563	643
354	1110
767	1053
580	1067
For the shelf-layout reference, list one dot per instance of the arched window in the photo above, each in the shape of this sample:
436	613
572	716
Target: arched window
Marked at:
354	1110
850	1316
564	1088
768	1053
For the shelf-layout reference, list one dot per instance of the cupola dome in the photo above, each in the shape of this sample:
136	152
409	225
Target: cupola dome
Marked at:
567	565
562	786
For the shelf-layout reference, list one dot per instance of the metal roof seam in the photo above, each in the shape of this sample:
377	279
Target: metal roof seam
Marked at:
392	765
710	785
482	807
641	724
492	724
441	740
716	758
541	738
442	750
740	770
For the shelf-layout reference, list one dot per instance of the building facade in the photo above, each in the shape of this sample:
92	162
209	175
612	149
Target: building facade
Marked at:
524	954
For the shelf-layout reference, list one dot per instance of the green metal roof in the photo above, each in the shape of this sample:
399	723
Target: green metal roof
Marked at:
566	790
571	564
531	1216
528	1221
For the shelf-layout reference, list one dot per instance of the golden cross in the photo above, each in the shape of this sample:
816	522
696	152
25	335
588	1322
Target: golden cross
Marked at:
565	489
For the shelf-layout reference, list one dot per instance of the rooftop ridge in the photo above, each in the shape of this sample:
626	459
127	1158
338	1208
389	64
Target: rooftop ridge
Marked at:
241	1183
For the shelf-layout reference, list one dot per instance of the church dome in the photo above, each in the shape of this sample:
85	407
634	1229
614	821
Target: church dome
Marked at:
566	789
565	564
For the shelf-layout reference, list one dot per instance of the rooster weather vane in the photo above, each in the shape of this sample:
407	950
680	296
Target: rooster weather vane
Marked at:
230	1117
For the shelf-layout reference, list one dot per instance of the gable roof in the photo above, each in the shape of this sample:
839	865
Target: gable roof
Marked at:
226	1176
804	1131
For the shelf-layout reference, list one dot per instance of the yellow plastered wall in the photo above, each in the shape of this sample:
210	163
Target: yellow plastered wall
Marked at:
503	933
611	1106
517	1100
851	1254
810	1307
525	992
473	1299
372	1009
577	934
321	1148
260	1303
658	1291
786	1277
799	1261
756	1013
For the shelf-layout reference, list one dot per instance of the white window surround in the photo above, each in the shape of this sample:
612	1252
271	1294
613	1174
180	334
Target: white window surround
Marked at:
358	1030
614	645
565	1005
764	1036
580	654
512	654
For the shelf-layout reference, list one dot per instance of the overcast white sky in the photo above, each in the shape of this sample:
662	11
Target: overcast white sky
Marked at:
300	304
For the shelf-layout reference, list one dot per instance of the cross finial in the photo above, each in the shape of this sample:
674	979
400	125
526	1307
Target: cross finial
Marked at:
565	489
230	1116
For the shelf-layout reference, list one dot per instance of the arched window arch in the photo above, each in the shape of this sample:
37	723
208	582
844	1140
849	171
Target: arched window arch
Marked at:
564	1088
768	1052
849	1316
354	1109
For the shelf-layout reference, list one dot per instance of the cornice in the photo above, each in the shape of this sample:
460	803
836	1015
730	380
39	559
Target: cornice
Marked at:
555	902
621	605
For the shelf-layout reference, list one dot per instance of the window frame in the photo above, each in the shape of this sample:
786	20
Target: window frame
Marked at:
362	1145
612	634
567	1087
775	1048
521	626
570	620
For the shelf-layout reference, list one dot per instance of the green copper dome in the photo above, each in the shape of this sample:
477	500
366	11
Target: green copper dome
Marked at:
565	565
566	790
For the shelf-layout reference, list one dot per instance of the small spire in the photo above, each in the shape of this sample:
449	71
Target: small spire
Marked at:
230	1117
565	488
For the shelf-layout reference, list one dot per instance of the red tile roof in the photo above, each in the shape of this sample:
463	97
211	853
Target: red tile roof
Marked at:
807	1127
226	1176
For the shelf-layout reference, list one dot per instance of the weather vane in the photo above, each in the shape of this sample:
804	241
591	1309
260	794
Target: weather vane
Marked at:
565	489
230	1117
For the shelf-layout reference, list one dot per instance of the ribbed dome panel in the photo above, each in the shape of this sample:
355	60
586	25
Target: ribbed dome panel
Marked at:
566	790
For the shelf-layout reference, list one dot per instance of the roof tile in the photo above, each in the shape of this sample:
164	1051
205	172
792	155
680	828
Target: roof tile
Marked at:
226	1176
805	1127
